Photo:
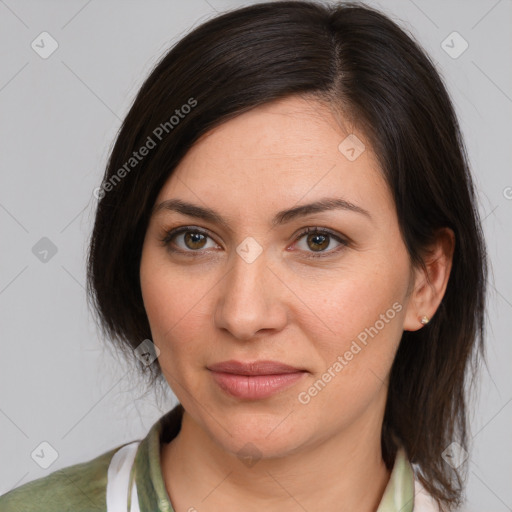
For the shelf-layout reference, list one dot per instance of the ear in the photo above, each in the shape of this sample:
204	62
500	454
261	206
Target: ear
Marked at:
430	285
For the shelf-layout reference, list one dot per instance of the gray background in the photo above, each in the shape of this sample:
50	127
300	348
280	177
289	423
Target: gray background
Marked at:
58	382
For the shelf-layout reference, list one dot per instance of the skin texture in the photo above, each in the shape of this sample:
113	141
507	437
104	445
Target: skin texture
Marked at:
283	306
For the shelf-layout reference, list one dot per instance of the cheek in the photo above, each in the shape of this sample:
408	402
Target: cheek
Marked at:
365	316
175	302
358	299
362	317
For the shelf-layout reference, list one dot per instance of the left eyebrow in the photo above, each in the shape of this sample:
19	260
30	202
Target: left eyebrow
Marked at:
325	204
282	217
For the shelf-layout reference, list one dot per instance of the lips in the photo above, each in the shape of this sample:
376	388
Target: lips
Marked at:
256	380
254	368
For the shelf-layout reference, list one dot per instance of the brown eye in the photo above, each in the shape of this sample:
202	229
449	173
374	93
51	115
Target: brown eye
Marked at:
194	240
187	240
317	240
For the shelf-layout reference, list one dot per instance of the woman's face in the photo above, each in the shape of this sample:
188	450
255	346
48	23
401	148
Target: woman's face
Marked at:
250	288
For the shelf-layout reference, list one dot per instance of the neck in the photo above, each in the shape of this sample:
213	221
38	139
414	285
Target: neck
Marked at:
343	473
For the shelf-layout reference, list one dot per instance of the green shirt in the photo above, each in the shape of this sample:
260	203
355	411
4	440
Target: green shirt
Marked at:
82	487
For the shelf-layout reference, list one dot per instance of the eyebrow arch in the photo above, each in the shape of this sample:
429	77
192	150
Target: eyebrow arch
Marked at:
282	217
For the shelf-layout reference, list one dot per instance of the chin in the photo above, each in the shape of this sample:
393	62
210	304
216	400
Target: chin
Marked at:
265	434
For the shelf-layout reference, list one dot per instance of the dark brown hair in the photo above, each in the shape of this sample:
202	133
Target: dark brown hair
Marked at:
362	64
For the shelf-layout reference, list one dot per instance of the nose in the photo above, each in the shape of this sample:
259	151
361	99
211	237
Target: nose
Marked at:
251	299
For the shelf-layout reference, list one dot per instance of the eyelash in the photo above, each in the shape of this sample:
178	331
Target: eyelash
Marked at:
170	234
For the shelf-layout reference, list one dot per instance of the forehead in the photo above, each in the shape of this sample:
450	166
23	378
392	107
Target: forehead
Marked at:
280	153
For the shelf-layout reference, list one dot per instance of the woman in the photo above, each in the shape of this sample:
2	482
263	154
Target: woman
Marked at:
288	221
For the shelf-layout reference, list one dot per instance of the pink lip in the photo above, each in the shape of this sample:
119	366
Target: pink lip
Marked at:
257	380
254	368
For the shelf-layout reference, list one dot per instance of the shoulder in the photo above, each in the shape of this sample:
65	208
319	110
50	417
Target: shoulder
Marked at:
77	488
423	501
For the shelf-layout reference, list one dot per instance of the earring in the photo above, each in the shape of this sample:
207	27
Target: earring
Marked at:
425	320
